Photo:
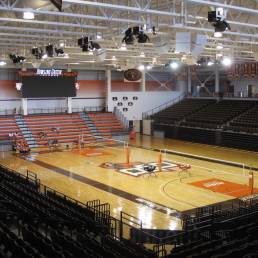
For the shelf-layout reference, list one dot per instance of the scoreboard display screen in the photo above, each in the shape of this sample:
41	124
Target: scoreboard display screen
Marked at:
48	86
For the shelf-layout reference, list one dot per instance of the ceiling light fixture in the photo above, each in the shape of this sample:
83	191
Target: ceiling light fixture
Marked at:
174	65
123	47
219	47
44	56
141	67
28	15
226	61
210	63
217	34
2	63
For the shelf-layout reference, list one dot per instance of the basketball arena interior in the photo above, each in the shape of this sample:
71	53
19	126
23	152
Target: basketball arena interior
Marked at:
128	129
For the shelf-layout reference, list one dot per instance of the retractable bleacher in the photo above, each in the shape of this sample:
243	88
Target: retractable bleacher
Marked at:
48	224
7	126
180	110
215	115
69	127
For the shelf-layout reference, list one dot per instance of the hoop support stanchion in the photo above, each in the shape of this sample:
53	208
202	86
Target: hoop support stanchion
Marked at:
251	181
160	161
127	155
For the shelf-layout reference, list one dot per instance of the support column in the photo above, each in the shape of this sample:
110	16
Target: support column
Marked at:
189	80
143	82
69	106
24	106
216	80
108	90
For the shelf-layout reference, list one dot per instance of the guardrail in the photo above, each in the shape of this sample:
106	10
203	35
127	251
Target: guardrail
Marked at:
149	113
120	116
12	112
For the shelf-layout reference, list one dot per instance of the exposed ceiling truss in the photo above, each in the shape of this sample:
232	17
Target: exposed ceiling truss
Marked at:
110	19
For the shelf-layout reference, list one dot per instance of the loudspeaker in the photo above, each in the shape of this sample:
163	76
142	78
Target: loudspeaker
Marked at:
199	45
183	42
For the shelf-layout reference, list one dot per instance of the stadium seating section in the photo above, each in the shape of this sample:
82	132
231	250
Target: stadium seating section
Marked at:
178	111
8	125
48	224
40	129
36	223
231	123
247	122
222	233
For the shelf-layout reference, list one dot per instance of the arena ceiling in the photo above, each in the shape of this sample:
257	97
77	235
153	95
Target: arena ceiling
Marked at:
105	22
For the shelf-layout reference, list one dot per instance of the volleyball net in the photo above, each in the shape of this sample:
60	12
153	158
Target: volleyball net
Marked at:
187	156
101	142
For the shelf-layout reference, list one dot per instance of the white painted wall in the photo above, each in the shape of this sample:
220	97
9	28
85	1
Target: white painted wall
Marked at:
145	102
240	85
8	105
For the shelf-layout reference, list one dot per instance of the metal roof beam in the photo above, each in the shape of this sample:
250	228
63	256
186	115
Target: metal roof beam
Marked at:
39	30
72	15
64	24
225	6
122	7
114	19
32	36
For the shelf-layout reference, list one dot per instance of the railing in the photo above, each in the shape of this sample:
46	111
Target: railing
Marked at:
89	109
10	112
149	113
120	228
120	116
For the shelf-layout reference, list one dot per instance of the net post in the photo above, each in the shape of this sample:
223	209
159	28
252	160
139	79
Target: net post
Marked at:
127	156
251	181
160	161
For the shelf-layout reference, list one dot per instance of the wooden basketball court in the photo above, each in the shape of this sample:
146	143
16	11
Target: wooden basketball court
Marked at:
157	201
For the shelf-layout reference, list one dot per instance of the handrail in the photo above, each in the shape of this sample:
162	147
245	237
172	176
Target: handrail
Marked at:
120	116
152	111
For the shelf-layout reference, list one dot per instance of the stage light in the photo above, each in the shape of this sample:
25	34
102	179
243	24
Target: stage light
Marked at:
28	15
135	32
174	65
217	34
59	51
141	67
226	61
94	45
17	59
2	63
50	50
142	38
217	19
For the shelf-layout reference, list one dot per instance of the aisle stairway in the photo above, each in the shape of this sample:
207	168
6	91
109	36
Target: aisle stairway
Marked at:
66	128
106	124
92	127
25	131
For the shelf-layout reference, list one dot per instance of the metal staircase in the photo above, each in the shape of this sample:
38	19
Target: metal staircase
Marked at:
90	125
25	131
